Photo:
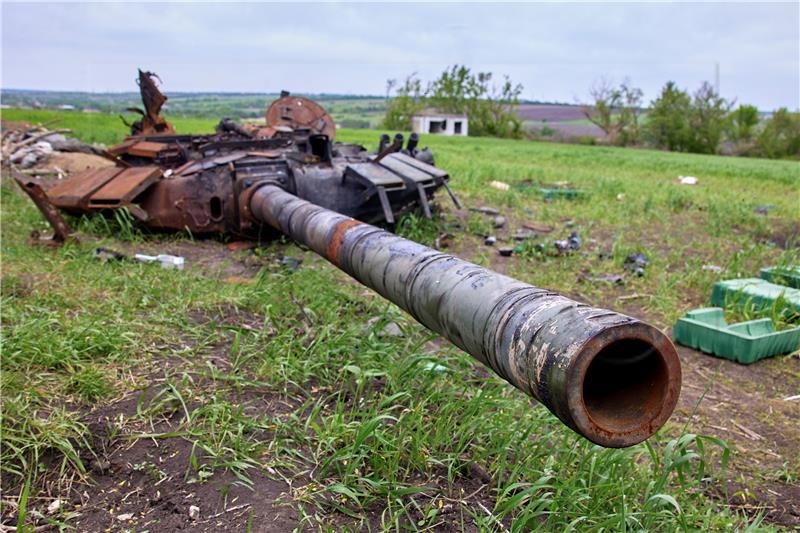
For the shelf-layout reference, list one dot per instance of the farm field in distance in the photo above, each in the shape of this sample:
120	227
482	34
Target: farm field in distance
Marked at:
272	398
348	111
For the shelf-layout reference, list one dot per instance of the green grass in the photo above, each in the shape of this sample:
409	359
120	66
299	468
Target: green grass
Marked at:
101	128
364	423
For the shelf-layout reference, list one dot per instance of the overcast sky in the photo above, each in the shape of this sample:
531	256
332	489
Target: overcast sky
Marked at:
555	50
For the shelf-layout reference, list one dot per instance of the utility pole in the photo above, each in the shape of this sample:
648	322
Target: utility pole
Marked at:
716	77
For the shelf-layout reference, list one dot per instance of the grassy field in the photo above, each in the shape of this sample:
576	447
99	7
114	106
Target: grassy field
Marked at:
272	399
102	128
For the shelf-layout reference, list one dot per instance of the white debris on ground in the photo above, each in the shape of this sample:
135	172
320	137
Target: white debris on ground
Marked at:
32	148
194	512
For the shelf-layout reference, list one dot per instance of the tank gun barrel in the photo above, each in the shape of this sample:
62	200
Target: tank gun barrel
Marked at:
611	378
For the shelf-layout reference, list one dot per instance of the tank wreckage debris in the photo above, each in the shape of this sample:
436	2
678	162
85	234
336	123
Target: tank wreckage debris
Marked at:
613	379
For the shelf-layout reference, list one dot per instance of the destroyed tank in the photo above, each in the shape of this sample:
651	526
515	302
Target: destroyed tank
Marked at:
202	182
611	378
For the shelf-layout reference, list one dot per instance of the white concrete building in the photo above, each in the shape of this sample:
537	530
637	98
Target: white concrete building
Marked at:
431	121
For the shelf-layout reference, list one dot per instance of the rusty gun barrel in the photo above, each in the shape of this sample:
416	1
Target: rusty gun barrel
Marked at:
613	379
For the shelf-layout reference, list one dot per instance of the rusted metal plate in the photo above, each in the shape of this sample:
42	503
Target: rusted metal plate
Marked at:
298	112
185	168
121	148
74	192
147	149
34	190
269	154
153	100
125	187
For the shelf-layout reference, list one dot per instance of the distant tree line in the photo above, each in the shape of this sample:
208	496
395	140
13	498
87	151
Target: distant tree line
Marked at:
490	108
702	122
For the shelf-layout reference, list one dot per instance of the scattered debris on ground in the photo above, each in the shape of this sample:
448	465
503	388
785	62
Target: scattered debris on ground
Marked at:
165	260
537	227
636	263
288	262
27	148
442	241
521	236
391	329
568	245
613	279
485	210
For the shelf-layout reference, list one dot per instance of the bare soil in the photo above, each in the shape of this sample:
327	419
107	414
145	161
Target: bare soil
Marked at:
148	485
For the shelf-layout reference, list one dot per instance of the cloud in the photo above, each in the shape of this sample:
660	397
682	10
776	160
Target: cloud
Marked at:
555	50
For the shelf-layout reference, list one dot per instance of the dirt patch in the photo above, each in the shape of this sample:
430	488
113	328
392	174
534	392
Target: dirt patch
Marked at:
73	162
471	489
746	406
149	484
231	317
784	236
212	257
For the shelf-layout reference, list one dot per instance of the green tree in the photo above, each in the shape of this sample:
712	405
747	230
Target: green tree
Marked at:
409	100
742	123
780	136
616	111
668	119
491	109
707	120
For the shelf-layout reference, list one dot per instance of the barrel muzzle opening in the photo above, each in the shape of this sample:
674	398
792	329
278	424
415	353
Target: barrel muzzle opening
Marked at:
624	388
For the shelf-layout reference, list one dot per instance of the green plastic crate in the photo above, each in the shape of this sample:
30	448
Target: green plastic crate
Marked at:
789	276
553	194
755	292
744	342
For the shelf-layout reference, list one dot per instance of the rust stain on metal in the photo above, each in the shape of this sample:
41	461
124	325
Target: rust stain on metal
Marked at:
212	176
74	192
152	98
125	187
333	246
61	230
147	149
299	112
